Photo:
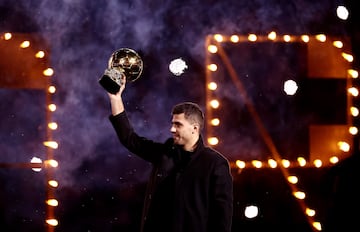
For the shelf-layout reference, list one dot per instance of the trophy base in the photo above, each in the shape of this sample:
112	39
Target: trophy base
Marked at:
109	84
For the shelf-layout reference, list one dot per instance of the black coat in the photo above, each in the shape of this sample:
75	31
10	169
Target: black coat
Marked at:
184	193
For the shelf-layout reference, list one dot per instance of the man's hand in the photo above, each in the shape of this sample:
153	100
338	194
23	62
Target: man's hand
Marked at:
117	105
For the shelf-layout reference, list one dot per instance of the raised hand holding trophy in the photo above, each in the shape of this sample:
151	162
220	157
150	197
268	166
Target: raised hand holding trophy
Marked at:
123	62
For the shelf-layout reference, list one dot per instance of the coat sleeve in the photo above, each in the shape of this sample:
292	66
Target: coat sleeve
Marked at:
221	209
141	146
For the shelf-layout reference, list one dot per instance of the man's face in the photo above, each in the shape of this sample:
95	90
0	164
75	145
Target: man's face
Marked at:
182	130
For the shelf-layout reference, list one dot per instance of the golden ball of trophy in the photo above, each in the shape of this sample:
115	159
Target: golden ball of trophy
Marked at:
123	63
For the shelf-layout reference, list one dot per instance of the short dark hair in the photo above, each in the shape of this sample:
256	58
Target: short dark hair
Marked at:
192	112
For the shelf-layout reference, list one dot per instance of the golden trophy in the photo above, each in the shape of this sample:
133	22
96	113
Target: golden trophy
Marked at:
124	62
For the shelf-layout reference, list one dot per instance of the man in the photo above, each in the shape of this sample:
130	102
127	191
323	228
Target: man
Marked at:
190	188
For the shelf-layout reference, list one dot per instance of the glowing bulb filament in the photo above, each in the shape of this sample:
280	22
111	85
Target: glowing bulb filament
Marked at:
52	202
52	222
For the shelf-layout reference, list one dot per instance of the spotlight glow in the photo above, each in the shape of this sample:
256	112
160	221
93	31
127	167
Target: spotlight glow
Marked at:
177	66
251	211
36	160
290	87
342	12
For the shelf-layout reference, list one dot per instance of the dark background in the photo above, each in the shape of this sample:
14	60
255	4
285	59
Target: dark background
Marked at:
102	184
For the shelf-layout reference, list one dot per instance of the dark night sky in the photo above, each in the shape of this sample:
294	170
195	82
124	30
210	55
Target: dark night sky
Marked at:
101	184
